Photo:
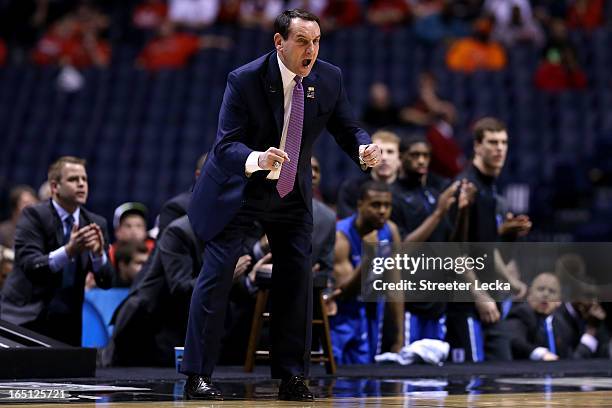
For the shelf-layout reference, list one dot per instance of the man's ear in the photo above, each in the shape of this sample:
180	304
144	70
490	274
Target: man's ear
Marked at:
278	42
53	185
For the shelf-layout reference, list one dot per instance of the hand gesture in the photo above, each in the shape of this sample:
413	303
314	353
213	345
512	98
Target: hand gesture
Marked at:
264	262
93	238
467	192
447	198
329	299
519	225
76	243
370	154
242	265
272	159
488	312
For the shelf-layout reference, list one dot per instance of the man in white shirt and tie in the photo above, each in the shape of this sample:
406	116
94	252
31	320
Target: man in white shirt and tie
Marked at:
258	168
57	242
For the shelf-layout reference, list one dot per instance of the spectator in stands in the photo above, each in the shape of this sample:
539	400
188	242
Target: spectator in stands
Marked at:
149	14
478	52
53	45
440	26
7	257
229	12
560	72
559	69
386	171
20	197
260	13
171	49
429	107
380	110
314	6
193	14
130	224
56	243
340	14
355	328
75	40
502	11
436	116
177	206
425	8
130	256
558	39
521	28
388	13
586	14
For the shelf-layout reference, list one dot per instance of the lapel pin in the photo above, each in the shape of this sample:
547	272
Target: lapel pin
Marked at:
310	92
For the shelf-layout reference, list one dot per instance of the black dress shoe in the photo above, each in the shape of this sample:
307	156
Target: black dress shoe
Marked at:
294	389
199	387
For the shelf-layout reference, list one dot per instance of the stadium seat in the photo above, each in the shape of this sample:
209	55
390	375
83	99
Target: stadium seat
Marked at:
98	309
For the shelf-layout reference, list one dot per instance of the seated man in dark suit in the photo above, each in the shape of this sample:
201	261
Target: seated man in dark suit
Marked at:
324	230
177	206
56	243
587	335
153	319
540	331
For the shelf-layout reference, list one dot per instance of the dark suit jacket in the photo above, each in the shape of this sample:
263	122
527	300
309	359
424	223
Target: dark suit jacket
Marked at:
32	286
251	118
153	319
323	238
577	325
527	332
172	209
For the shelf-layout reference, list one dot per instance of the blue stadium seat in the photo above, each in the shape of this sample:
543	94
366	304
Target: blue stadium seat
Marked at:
98	308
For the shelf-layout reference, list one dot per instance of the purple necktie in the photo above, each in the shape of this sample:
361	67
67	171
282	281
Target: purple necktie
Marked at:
293	140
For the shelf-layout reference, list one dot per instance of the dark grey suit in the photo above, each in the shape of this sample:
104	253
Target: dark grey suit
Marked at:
172	209
153	319
33	295
323	238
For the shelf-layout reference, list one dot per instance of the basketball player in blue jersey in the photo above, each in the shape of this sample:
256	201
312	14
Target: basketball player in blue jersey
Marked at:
355	329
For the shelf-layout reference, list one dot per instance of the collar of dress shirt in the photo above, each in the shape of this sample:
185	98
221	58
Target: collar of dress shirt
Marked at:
286	75
63	214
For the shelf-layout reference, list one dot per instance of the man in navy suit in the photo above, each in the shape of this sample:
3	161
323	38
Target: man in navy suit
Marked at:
57	243
259	169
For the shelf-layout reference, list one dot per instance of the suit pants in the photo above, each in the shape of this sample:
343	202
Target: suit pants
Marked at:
288	226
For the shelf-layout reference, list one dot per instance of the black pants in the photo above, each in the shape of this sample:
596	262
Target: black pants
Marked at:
462	325
288	224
